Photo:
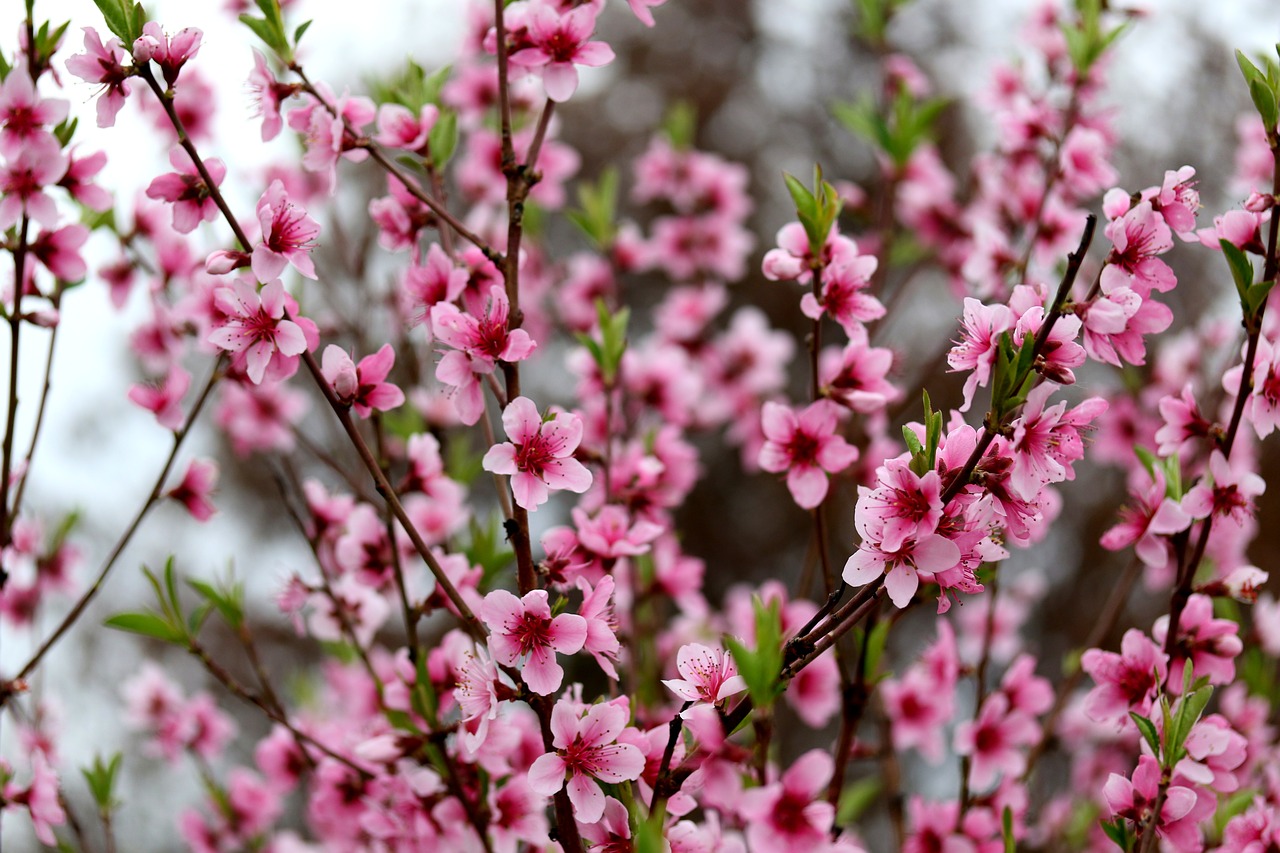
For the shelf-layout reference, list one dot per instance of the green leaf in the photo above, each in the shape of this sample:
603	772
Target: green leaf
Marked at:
855	799
262	30
302	28
599	206
433	84
117	18
649	837
1148	730
227	597
761	667
681	124
148	625
876	639
1118	831
487	547
101	779
442	141
1006	830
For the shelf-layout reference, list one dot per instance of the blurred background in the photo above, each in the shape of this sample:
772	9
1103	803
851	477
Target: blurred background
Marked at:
762	78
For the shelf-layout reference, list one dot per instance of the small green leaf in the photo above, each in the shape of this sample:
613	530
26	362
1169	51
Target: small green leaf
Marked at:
101	779
855	799
1118	831
1148	730
1006	830
681	124
148	625
876	639
761	667
227	597
442	141
302	28
649	837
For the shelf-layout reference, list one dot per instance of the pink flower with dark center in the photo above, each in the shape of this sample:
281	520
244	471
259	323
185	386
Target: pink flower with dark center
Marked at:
256	326
976	350
523	633
425	285
1178	200
186	190
40	798
791	261
1183	422
480	343
198	483
791	814
903	505
558	42
1126	682
855	376
1231	494
288	235
1263	406
23	180
1136	801
539	457
707	675
268	93
78	181
59	251
480	691
1211	644
102	64
996	741
1137	238
362	386
612	534
804	445
24	115
843	295
400	128
900	567
1150	516
586	750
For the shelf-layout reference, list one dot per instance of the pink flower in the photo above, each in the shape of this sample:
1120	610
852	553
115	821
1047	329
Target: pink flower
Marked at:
558	43
539	456
288	235
198	483
268	93
597	608
855	377
1126	682
433	281
101	64
586	751
1137	237
399	128
479	343
976	351
24	115
186	190
806	447
1182	422
362	386
903	505
1210	643
58	251
919	708
255	325
522	629
40	799
996	741
1231	494
164	401
169	52
1143	522
707	675
843	295
791	814
23	180
611	534
1135	800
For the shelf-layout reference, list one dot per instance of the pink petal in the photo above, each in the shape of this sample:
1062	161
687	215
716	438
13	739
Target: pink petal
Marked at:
901	583
560	80
587	798
546	774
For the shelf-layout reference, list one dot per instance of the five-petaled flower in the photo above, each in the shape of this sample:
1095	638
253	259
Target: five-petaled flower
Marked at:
707	675
522	629
586	750
256	326
539	456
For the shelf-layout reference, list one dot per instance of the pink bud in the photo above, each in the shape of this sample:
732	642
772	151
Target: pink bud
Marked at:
144	47
1259	203
222	262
